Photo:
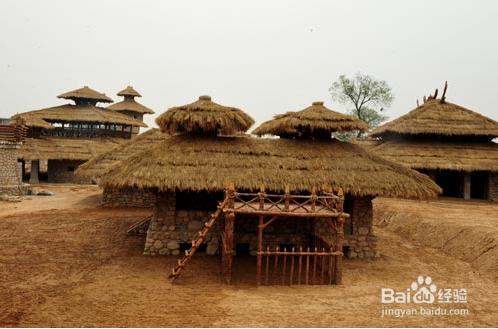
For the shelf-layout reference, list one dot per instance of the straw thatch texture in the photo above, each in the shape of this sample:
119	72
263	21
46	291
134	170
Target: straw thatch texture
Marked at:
188	162
441	118
315	120
86	93
76	113
130	105
204	117
129	91
441	155
99	165
65	148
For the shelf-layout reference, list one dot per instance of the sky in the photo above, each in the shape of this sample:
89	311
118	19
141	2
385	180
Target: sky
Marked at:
265	57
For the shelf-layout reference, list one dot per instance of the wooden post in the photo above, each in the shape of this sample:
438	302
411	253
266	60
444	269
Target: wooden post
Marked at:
229	243
35	168
261	227
338	247
287	198
267	264
313	199
467	186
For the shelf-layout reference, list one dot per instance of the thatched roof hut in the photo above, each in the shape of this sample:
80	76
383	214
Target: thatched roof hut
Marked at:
204	117
129	104
197	160
314	121
99	165
448	142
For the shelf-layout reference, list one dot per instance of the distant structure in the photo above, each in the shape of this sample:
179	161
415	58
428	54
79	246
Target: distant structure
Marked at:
11	137
131	107
451	144
65	136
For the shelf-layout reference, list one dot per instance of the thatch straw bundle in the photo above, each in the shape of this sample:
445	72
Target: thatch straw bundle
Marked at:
314	121
99	165
86	93
204	117
129	103
187	162
75	113
451	155
65	148
437	117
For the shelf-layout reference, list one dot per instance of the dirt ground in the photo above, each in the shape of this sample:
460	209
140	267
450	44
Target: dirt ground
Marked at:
71	264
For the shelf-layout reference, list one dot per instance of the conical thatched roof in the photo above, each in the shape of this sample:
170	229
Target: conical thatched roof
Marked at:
75	113
204	117
314	121
188	162
129	103
99	165
129	91
438	117
86	93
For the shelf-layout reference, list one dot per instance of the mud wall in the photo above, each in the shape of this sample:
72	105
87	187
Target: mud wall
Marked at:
128	197
493	187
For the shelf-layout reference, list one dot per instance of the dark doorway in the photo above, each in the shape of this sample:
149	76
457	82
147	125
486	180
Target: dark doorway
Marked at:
451	182
479	184
242	249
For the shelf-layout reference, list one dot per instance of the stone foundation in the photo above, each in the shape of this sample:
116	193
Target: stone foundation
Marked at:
62	171
493	187
359	239
128	197
171	227
10	172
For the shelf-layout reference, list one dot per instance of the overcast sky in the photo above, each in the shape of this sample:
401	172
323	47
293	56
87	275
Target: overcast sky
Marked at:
266	57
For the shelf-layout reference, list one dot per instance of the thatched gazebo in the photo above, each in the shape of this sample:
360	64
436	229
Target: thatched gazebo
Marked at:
65	136
208	150
130	106
450	143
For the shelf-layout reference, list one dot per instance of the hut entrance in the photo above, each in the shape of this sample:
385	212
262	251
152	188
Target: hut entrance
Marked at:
451	182
479	185
320	264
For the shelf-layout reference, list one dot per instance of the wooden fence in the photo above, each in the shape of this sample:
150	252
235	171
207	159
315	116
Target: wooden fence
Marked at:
301	266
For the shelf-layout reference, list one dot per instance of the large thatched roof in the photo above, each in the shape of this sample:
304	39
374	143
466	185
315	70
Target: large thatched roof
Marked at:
204	117
86	93
65	148
438	117
188	162
425	154
75	113
315	120
99	165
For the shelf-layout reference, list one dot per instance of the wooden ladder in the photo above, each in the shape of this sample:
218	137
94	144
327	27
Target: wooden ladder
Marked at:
177	270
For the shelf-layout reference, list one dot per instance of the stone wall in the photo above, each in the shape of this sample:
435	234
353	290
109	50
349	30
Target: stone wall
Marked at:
171	227
10	173
128	197
62	171
359	240
493	187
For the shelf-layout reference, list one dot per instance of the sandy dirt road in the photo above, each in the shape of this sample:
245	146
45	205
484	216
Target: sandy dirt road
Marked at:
77	267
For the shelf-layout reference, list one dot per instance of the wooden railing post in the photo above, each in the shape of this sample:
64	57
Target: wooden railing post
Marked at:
338	247
261	227
287	198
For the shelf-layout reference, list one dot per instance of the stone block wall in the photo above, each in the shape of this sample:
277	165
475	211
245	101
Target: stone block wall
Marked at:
359	239
10	175
62	171
128	197
493	187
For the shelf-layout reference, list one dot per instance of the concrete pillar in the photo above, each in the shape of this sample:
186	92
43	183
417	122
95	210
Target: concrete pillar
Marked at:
35	168
466	185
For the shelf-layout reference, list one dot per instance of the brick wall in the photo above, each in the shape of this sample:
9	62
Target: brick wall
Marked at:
128	197
62	171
